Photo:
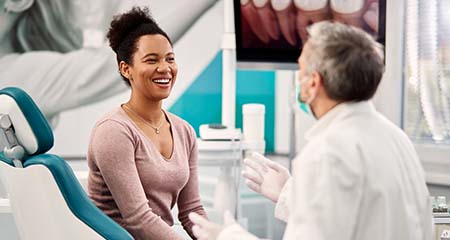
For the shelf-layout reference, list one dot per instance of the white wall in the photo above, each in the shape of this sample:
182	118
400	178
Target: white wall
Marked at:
388	99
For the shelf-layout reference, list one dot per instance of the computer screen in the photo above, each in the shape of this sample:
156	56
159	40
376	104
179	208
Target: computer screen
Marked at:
271	33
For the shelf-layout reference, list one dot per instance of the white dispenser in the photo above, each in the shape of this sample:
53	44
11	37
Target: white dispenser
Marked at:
253	127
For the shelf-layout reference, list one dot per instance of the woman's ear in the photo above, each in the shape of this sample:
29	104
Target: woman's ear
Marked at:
125	70
18	6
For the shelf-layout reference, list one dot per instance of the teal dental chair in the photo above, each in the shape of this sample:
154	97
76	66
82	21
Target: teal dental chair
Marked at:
47	201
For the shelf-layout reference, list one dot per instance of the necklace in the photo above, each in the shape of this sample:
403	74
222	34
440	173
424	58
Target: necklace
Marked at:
157	131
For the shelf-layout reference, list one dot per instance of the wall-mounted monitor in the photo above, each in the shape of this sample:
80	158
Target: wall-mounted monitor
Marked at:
270	33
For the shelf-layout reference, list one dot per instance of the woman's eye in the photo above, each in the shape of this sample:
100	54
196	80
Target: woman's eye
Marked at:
170	59
150	60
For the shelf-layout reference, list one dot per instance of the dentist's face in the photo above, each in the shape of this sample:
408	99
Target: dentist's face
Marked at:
304	75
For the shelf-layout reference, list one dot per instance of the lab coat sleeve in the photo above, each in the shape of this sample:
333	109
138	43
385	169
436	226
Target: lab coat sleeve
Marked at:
283	204
235	232
327	188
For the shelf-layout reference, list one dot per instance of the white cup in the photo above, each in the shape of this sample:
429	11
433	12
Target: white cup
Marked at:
253	128
253	121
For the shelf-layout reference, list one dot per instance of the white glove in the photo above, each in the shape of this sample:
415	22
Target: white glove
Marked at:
265	176
204	229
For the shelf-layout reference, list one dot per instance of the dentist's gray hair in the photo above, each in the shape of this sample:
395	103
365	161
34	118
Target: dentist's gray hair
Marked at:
349	60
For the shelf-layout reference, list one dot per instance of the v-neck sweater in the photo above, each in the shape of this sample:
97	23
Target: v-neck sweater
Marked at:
135	185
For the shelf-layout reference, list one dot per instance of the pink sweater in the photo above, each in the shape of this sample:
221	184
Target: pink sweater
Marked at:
133	184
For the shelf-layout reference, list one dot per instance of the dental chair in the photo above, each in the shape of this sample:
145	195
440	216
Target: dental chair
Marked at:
47	201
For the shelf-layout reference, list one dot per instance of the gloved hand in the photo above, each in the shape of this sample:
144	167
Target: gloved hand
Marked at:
265	176
203	229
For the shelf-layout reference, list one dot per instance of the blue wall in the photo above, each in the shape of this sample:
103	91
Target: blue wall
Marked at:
202	101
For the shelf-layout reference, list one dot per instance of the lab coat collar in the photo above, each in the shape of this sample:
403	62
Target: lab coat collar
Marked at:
335	114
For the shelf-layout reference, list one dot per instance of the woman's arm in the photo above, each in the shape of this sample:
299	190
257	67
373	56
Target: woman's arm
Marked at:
189	198
113	149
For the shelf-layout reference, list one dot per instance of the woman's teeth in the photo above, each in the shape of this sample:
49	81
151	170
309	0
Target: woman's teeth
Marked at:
162	81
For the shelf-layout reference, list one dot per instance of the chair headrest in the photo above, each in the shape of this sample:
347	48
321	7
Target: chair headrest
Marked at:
31	128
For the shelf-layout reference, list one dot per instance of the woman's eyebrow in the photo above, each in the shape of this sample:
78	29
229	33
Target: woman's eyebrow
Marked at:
156	55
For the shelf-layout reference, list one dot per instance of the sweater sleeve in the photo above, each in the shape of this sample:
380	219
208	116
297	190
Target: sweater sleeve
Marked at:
189	198
113	147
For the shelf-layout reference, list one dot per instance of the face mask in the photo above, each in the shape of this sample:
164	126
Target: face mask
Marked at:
305	106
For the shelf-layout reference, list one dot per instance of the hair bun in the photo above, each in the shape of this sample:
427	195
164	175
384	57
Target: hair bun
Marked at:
123	24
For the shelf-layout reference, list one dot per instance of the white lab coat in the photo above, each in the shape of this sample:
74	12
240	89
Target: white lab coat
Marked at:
358	177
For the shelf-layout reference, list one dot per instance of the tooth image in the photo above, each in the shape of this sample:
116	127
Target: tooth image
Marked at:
268	18
309	12
250	14
286	19
371	16
348	11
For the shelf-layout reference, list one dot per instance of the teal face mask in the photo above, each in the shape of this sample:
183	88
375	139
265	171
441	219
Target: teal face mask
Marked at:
303	105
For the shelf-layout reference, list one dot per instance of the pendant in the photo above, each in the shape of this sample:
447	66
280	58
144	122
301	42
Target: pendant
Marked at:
157	130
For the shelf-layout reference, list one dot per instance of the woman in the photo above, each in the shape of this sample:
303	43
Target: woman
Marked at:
142	159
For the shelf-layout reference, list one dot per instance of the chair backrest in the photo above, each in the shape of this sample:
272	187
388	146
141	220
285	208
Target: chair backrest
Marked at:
46	199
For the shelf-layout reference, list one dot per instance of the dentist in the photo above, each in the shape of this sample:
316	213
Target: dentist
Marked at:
359	176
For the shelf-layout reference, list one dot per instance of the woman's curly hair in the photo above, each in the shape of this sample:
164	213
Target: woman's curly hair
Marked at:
126	29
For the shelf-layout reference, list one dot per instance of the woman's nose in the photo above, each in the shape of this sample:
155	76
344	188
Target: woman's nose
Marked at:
163	68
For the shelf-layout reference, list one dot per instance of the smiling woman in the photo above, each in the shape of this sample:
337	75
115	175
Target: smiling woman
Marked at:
153	69
143	159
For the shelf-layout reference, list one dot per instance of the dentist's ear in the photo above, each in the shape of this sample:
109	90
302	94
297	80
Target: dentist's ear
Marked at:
317	80
315	84
18	6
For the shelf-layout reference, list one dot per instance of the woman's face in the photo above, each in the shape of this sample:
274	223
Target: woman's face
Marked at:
153	70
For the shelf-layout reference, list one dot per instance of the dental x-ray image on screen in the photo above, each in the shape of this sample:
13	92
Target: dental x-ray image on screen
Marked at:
273	31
